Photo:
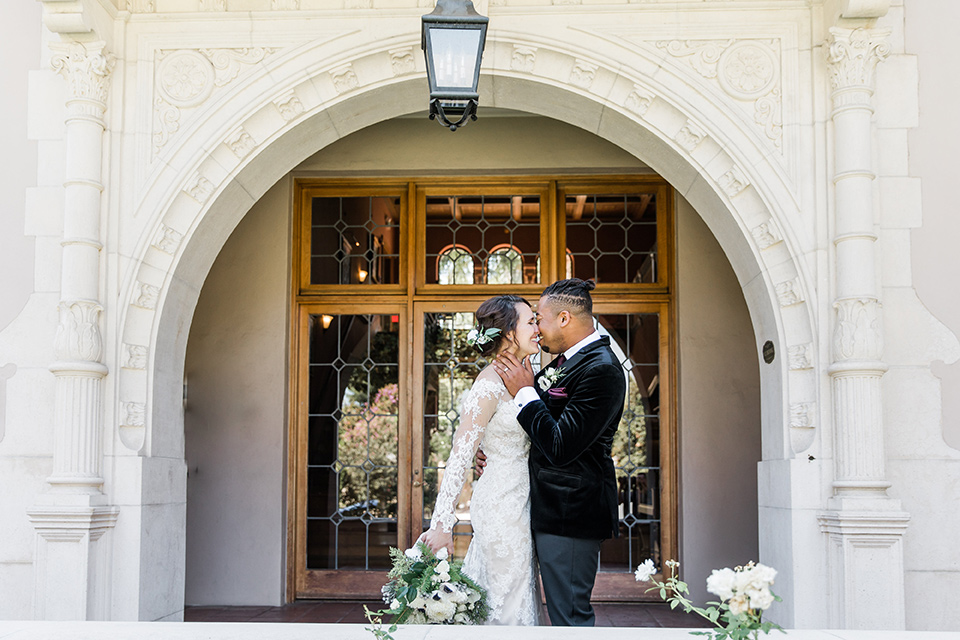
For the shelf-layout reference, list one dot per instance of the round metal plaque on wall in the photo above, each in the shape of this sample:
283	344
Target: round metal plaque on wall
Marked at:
769	353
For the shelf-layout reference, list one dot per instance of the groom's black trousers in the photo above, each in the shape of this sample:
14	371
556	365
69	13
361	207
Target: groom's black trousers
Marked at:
568	567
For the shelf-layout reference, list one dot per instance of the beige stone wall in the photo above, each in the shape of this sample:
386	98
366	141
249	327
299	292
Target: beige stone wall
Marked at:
235	417
20	51
719	408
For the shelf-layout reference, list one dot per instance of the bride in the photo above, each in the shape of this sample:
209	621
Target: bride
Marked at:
500	557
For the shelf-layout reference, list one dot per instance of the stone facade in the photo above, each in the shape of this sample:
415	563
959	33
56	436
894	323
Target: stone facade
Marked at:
782	123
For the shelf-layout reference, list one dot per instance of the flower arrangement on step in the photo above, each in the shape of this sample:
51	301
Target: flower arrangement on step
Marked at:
744	594
427	588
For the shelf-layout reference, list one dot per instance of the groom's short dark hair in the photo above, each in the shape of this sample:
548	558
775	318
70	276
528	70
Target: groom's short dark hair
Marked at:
573	293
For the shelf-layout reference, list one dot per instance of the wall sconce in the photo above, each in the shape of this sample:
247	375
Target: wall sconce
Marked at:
325	321
362	274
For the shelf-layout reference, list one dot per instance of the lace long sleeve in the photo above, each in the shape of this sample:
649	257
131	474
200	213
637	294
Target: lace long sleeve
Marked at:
478	407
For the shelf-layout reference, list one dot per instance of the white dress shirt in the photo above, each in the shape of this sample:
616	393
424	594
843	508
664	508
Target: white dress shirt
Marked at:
528	394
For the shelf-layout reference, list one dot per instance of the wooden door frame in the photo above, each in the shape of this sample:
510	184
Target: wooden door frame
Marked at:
346	584
412	298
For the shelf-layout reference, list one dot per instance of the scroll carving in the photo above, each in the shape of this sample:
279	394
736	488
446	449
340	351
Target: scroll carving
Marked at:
289	107
690	136
789	293
800	357
401	61
344	79
583	74
200	189
639	100
766	234
524	58
733	182
168	240
148	296
135	356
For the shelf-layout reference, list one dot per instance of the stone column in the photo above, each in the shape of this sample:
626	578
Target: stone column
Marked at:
864	526
72	516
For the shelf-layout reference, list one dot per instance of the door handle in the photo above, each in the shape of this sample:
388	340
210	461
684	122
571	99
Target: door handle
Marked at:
417	483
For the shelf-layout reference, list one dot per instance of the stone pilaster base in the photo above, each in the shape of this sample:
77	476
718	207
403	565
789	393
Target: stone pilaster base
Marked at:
72	561
865	568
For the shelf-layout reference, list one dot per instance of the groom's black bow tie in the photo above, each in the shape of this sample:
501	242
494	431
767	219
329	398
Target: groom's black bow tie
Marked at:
556	364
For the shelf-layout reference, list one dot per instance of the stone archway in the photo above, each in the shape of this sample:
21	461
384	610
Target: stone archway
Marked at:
211	180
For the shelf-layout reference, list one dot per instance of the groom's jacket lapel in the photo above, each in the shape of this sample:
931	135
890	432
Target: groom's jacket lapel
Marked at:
568	367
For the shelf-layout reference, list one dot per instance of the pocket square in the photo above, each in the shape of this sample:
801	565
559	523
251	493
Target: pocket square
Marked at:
557	393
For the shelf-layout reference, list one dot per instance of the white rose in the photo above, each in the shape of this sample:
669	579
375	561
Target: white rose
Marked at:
395	604
738	604
418	603
760	598
414	553
721	583
440	610
461	618
443	567
417	617
645	570
762	576
443	554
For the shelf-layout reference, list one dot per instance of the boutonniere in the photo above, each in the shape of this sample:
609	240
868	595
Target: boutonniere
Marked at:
550	377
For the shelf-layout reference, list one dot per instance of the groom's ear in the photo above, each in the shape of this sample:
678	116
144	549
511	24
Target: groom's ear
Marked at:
563	318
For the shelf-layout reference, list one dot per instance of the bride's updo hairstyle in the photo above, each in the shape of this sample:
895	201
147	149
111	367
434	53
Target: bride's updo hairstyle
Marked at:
498	312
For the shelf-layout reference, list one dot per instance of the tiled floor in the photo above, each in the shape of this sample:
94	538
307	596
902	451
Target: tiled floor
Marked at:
608	615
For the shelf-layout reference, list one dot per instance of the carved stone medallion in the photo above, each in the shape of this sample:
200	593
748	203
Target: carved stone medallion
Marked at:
185	78
747	70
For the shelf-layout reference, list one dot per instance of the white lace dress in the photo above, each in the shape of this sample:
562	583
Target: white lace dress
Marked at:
500	557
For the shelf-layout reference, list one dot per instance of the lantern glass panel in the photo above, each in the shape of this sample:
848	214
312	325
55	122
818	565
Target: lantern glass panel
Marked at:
455	54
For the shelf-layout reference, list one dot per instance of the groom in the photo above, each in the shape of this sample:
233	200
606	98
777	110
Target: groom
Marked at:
571	411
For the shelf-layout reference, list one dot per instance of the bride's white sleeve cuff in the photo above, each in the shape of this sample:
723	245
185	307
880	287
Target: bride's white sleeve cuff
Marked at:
525	396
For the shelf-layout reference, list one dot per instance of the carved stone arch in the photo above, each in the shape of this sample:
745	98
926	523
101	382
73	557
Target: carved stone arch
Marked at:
209	182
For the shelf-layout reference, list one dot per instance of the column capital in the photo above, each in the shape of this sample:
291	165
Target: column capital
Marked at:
78	334
86	68
853	55
858	333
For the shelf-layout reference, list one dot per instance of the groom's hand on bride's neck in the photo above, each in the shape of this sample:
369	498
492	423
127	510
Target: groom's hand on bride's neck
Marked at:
515	374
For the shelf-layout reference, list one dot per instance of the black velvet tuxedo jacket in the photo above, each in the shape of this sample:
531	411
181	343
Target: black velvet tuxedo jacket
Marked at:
573	485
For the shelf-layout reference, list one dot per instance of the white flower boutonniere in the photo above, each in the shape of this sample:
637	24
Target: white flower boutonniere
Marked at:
550	377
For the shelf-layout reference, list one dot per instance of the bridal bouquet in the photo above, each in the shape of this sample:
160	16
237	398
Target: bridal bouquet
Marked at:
744	594
427	588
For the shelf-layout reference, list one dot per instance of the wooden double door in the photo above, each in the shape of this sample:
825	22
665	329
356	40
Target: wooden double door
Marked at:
387	277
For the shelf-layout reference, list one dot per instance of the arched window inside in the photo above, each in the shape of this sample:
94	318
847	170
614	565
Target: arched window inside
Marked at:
455	265
505	265
569	265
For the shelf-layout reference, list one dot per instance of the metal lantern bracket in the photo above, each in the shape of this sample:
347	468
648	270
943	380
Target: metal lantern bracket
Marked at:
455	102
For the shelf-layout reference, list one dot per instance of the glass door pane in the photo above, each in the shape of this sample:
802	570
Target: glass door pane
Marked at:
635	338
352	453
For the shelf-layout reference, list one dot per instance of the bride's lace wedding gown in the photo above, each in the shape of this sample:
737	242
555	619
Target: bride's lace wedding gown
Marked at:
500	557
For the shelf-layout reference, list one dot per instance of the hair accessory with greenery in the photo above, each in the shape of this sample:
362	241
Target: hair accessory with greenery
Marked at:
479	336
